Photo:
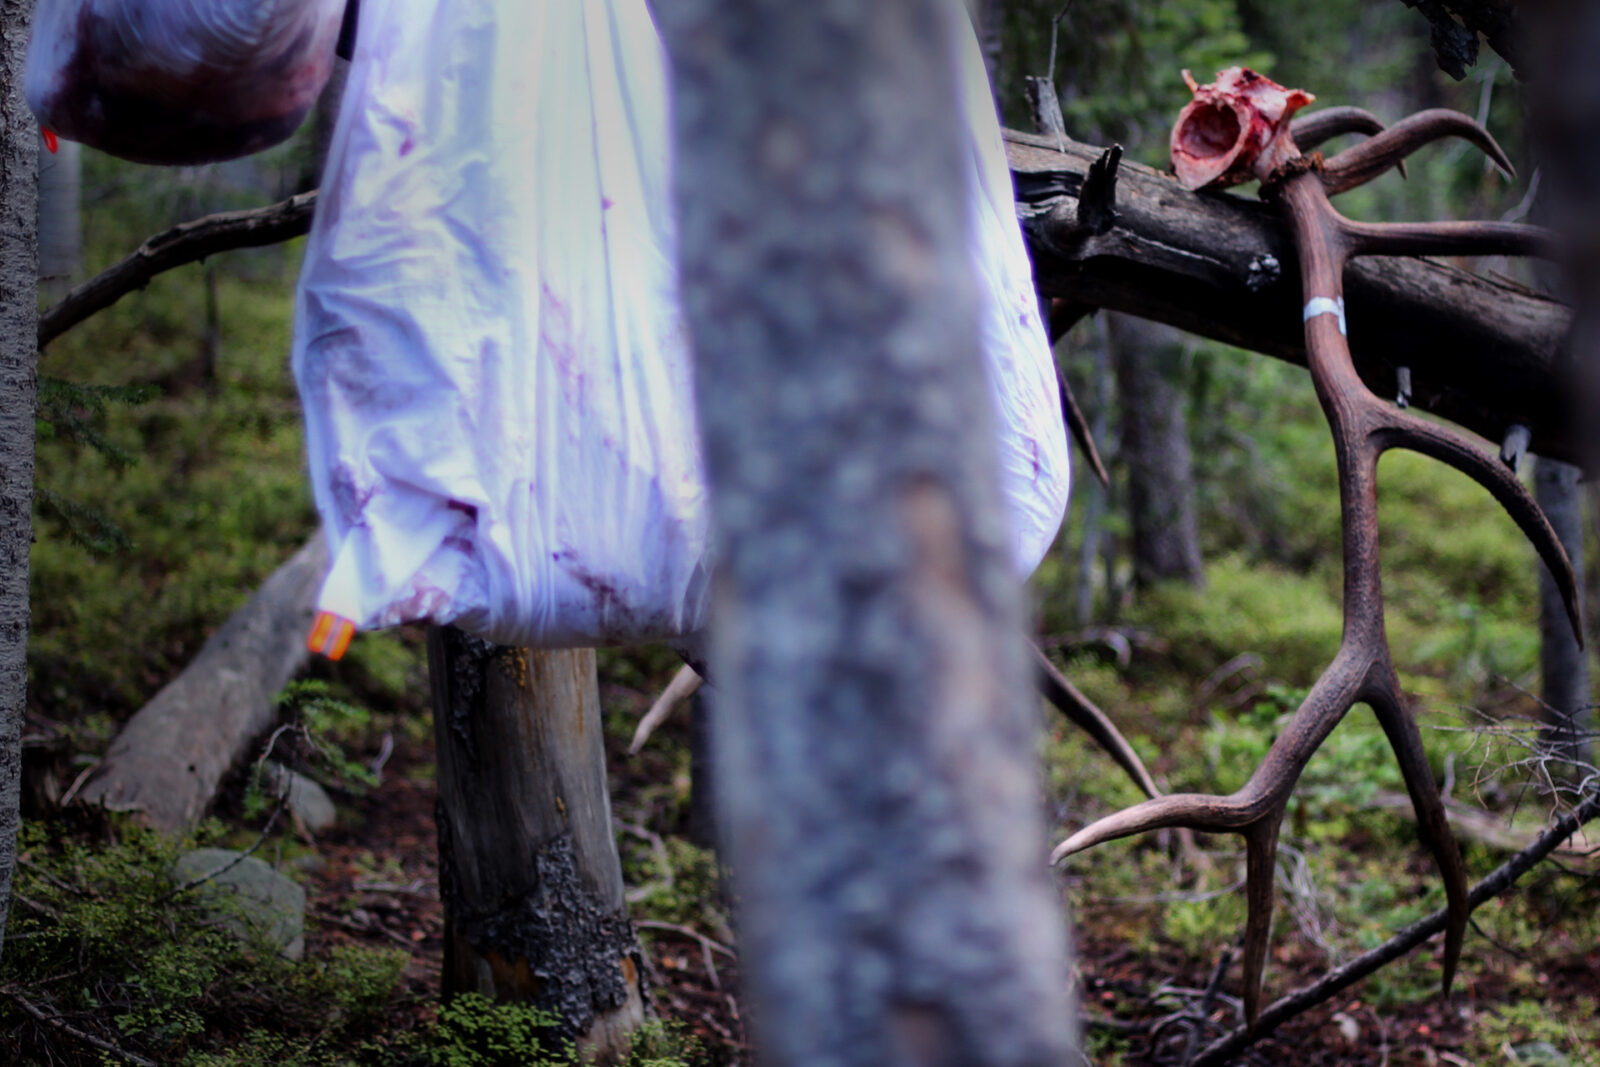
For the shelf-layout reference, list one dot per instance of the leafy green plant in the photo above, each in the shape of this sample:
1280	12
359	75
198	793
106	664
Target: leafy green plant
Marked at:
473	1031
101	935
324	723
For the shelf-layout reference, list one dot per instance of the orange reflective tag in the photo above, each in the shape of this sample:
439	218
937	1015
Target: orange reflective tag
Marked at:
330	635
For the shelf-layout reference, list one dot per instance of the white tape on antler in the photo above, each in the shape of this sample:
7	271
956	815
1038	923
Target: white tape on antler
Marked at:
1322	305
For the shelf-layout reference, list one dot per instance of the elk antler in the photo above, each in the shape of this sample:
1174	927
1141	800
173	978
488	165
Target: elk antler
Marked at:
1363	427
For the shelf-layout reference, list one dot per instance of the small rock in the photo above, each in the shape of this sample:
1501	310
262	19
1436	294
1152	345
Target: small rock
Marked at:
1541	1053
249	898
307	800
1349	1029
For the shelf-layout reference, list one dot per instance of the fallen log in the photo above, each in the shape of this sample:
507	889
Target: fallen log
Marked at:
1482	353
167	761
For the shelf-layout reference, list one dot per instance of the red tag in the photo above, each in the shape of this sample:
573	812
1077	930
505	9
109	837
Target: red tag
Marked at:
50	141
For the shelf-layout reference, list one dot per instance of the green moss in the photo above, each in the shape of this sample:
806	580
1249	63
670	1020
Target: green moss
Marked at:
102	932
1291	620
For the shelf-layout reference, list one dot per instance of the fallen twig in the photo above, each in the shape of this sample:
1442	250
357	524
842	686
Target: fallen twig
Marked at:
687	931
1502	878
707	946
58	1023
195	883
658	850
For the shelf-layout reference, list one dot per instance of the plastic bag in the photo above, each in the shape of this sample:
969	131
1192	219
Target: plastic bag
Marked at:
179	81
495	372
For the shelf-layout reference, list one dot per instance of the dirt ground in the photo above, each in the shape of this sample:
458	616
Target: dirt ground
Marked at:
378	885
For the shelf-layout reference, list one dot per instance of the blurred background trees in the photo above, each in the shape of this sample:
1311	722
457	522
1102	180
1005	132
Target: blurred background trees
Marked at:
1193	601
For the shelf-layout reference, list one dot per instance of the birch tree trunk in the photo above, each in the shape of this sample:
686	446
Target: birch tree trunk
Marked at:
874	723
19	315
528	866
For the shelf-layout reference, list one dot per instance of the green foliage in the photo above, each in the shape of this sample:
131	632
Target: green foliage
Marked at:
678	883
215	503
75	415
327	723
473	1031
98	932
1292	620
1118	63
1537	1035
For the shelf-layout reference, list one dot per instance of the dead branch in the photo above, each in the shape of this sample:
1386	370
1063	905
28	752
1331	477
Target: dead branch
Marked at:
1481	353
182	244
56	1022
1280	1011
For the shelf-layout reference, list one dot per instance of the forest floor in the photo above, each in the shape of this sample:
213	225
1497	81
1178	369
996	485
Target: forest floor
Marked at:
377	884
1142	998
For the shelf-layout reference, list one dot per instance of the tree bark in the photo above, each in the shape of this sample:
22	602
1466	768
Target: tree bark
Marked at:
1563	667
874	722
1562	37
19	302
702	772
1155	453
528	866
1093	499
60	218
168	759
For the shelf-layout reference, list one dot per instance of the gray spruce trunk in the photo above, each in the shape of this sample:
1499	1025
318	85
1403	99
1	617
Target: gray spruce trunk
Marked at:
1563	666
19	317
875	728
1562	39
528	866
1155	452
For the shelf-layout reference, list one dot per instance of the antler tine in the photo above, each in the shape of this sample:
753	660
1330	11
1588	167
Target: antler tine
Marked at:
1091	720
1255	811
1311	130
1260	869
1189	811
1404	430
1448	239
1363	162
1389	707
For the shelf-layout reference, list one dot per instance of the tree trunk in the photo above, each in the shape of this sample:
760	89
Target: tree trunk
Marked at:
874	722
60	218
1092	498
1565	122
702	772
168	759
528	866
19	301
1155	453
1563	668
